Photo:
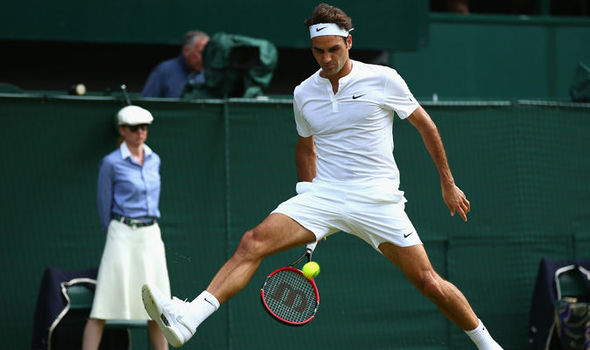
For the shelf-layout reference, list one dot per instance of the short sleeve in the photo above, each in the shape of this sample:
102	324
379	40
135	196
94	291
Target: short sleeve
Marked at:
303	128
397	95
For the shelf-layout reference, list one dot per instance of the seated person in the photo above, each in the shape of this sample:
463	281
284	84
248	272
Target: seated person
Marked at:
169	77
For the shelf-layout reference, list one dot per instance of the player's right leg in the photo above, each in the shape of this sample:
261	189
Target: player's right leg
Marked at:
277	233
179	320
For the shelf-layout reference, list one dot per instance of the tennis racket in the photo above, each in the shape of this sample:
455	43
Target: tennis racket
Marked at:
288	296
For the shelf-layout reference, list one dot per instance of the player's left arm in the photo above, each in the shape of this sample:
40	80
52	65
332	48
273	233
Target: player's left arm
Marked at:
453	197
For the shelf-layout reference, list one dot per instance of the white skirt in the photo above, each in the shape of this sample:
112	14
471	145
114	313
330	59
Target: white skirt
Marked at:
131	258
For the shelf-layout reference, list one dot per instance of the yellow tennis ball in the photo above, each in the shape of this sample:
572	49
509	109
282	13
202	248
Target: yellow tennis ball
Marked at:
311	269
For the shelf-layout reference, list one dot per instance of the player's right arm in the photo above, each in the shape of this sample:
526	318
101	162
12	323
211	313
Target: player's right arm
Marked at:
305	158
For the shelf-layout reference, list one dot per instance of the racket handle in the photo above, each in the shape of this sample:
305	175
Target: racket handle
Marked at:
308	252
310	247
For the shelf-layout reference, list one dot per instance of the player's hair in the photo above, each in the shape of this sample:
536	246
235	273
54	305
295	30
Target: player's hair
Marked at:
192	36
325	13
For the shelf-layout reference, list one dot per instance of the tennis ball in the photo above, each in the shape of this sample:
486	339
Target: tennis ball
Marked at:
311	269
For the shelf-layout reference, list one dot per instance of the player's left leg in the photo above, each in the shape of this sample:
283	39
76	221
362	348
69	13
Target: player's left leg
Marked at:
415	265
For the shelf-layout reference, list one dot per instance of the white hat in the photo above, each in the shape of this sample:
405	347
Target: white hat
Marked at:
134	115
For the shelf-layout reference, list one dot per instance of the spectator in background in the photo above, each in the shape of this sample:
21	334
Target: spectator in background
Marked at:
127	197
169	77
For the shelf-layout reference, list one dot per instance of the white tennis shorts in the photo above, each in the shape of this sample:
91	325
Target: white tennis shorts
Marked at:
372	212
131	257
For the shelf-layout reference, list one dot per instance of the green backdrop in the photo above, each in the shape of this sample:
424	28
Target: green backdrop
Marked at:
496	57
157	22
225	165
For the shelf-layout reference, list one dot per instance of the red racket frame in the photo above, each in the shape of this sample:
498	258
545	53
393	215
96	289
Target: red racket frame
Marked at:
315	289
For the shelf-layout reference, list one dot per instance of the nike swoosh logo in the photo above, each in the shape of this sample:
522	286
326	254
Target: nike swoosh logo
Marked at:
319	29
359	96
408	235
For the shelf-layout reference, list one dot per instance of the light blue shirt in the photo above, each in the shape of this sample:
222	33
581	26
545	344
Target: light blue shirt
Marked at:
127	188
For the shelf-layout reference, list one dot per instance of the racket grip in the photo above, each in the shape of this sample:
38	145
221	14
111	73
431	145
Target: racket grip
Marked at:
310	247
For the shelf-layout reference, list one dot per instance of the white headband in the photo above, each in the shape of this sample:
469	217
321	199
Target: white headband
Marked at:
327	29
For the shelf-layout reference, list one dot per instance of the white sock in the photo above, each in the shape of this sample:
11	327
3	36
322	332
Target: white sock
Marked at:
202	307
482	338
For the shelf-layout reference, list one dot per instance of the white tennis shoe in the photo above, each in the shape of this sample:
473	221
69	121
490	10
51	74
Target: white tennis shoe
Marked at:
169	314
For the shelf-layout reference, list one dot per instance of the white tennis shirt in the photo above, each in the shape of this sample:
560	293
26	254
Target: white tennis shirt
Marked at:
353	129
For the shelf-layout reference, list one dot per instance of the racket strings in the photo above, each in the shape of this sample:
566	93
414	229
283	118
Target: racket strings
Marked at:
290	296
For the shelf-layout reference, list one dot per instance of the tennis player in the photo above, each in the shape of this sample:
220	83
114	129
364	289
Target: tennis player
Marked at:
348	182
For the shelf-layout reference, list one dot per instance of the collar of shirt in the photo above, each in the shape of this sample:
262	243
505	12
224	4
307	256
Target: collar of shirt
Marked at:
126	153
342	81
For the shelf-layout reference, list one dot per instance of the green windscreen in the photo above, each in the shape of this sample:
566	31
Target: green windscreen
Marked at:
226	164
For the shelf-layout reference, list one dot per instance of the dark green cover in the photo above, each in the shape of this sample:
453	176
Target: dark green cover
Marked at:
235	66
